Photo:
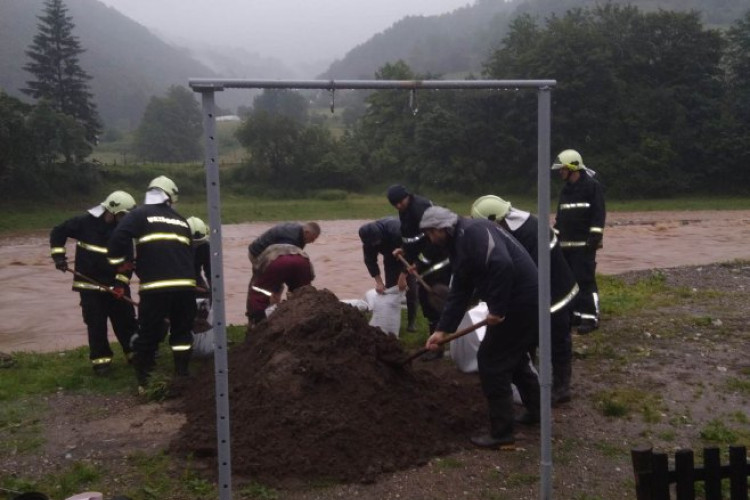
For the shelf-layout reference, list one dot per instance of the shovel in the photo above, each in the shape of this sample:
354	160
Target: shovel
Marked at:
105	288
438	293
448	338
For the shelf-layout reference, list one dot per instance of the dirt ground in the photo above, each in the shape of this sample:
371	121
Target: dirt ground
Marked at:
684	364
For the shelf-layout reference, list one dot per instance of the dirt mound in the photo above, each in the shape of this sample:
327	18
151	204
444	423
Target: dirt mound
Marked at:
314	394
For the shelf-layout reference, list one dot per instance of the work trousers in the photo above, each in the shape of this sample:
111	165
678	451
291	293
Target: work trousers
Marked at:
162	312
582	262
503	358
97	307
561	343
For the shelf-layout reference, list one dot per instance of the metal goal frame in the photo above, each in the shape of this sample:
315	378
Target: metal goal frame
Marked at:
207	87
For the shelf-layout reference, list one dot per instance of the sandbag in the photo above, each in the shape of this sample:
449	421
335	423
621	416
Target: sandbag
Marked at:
464	349
386	309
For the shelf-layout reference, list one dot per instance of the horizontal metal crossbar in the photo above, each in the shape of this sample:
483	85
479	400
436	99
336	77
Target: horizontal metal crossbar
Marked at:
211	85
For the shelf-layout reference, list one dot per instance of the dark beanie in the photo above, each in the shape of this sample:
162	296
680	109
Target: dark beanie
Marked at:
370	234
396	193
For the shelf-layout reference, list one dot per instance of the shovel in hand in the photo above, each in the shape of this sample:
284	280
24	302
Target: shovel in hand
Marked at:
448	338
437	293
103	287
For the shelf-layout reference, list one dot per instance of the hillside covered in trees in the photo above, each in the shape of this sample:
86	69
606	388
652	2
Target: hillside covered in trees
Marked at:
458	42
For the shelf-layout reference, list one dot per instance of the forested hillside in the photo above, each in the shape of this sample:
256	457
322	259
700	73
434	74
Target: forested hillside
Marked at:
459	42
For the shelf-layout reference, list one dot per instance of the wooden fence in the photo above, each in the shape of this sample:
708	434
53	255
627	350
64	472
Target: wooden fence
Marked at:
653	476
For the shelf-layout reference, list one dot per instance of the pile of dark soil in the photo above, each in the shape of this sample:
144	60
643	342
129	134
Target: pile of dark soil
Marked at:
315	394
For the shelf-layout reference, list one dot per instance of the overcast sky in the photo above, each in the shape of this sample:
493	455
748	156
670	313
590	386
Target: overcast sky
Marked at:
290	30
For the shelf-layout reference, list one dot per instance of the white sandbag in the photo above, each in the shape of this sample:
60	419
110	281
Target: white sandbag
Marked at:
203	344
464	349
386	309
360	304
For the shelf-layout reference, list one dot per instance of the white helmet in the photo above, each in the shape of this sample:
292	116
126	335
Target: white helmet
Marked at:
167	185
118	202
198	229
490	207
570	159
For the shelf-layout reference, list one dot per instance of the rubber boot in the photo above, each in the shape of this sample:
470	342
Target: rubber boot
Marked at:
561	375
411	315
144	363
501	425
182	362
527	383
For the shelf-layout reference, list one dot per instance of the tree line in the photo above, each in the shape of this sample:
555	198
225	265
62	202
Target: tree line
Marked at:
657	103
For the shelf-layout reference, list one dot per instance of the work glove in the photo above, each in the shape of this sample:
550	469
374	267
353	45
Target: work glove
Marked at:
118	291
61	262
594	241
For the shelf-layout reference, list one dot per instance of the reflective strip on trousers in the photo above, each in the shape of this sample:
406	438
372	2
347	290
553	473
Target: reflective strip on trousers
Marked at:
181	347
101	361
116	260
57	250
597	230
262	290
163	237
167	283
91	248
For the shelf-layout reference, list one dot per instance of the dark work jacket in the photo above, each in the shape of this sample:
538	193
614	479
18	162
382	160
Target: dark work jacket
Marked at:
387	232
92	234
290	233
580	211
412	238
164	252
563	284
202	256
487	258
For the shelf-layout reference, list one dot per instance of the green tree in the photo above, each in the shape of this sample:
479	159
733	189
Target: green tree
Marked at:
171	128
282	102
57	75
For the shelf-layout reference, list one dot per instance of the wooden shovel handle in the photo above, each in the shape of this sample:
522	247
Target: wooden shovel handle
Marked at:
103	287
419	278
448	338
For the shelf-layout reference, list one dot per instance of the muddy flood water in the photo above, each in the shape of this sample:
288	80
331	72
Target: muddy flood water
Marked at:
40	312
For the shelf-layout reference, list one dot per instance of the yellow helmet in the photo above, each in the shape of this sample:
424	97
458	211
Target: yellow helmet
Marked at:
570	159
167	185
198	229
118	202
490	207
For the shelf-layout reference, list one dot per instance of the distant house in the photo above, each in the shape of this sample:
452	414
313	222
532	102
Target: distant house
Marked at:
228	118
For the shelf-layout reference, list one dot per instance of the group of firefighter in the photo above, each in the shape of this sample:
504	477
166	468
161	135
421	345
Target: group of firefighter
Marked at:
490	257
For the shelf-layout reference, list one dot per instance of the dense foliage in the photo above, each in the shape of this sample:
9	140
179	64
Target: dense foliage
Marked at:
171	128
57	77
657	103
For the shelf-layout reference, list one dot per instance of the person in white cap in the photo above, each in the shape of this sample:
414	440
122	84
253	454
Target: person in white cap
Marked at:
489	262
93	277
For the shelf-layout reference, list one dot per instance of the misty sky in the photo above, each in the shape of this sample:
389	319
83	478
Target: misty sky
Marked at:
291	30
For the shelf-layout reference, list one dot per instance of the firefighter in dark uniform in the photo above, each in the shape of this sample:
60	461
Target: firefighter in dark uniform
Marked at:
201	253
580	226
563	287
92	231
419	253
489	262
382	237
165	267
